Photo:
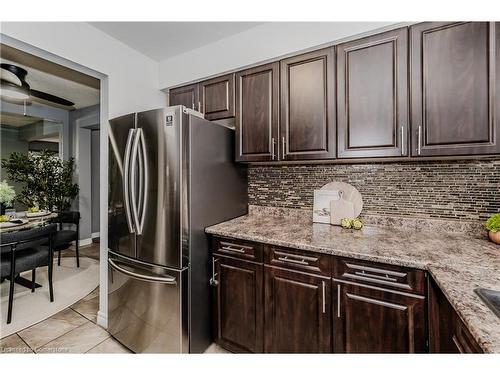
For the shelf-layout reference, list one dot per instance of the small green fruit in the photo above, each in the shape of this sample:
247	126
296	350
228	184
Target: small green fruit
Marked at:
346	223
357	224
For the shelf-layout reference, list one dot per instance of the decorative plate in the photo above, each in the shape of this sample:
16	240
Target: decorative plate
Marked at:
37	214
348	193
13	223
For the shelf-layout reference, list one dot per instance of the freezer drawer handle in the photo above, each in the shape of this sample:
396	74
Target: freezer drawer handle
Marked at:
142	277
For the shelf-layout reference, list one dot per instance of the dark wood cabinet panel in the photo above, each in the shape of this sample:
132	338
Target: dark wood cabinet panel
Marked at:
447	332
297	312
188	96
217	97
372	96
238	305
299	260
373	320
308	120
455	86
257	117
379	274
244	250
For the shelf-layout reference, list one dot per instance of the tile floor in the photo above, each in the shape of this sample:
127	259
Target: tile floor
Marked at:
73	330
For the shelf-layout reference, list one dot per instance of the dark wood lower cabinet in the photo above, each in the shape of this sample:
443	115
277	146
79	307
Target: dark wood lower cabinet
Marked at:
238	305
447	332
264	304
372	320
297	312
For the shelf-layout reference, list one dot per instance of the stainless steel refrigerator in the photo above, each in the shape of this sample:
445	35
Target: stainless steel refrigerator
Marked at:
171	174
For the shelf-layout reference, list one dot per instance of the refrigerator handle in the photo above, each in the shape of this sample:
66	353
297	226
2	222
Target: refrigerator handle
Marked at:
133	173
126	179
145	179
140	276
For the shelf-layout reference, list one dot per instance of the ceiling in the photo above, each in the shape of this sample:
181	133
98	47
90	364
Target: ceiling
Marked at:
80	94
162	40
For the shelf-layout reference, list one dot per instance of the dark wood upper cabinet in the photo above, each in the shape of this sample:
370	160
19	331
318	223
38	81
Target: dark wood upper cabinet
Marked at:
238	320
297	312
371	320
372	96
217	97
257	116
188	96
455	86
308	106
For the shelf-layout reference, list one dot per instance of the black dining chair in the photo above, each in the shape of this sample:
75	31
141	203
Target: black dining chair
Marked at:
64	237
26	250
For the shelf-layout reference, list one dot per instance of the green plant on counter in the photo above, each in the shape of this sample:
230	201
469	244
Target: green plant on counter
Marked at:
47	180
493	223
7	193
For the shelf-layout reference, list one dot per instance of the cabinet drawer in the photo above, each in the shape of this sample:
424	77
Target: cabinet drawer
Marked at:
385	275
300	260
238	248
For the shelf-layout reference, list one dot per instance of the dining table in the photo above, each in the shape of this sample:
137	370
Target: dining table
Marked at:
31	222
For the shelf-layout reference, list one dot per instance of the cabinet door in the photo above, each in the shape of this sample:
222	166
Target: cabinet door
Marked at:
308	106
257	95
187	96
455	81
447	332
238	305
297	312
372	96
217	97
376	321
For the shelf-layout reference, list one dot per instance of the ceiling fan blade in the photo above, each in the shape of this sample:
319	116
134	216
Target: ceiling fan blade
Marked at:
51	98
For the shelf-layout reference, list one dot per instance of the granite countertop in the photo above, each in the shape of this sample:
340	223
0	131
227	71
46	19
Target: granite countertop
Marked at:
458	263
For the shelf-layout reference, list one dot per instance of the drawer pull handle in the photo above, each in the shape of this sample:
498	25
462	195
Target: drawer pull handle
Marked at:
295	261
376	270
232	249
378	277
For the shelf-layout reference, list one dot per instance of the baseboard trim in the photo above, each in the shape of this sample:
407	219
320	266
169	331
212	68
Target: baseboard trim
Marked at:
85	242
96	234
102	319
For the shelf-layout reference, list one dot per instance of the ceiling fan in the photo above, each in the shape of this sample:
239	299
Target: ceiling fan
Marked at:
15	88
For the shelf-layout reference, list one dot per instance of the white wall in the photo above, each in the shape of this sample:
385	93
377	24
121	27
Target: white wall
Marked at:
263	42
132	77
131	85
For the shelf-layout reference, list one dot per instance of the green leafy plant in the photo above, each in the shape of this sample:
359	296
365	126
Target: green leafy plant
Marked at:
47	180
7	193
493	223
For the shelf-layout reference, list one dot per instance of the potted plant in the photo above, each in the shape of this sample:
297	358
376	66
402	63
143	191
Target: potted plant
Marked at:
493	226
47	179
7	195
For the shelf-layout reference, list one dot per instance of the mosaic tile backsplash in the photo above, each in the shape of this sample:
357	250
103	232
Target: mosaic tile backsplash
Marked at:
464	189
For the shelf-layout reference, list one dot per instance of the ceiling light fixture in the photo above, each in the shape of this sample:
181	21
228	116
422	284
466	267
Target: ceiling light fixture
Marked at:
12	91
